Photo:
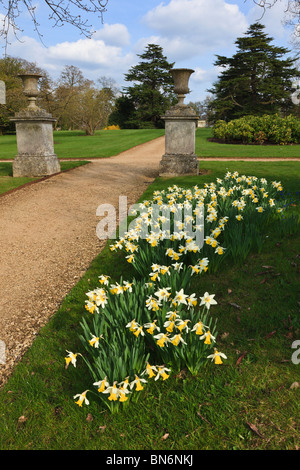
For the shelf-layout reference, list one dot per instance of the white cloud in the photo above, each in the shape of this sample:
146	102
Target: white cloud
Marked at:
188	28
114	35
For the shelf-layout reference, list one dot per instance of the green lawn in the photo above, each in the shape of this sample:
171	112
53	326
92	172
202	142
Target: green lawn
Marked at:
205	149
8	182
75	144
248	403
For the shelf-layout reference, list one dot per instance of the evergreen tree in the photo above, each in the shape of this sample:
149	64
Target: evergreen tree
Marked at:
152	92
256	80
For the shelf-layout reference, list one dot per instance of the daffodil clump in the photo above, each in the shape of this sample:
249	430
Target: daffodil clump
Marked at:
146	329
126	321
186	225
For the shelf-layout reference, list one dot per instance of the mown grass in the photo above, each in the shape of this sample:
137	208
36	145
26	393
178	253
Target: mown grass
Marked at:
245	404
8	182
75	144
205	149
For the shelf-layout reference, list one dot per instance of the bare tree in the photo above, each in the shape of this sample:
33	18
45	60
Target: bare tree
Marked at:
73	12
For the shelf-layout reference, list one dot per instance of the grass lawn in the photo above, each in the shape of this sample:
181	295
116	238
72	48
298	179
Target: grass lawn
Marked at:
75	144
204	149
8	182
248	403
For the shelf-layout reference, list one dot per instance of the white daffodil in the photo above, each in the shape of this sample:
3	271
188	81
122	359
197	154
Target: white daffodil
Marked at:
176	339
114	392
163	293
95	341
208	337
180	298
208	300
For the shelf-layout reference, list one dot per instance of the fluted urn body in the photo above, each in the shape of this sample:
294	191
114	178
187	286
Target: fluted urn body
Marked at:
181	83
30	83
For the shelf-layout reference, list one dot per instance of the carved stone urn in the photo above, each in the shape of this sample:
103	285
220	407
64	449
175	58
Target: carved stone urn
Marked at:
30	84
181	83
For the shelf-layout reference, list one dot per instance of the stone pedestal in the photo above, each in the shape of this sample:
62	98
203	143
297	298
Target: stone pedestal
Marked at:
36	157
180	129
34	129
180	126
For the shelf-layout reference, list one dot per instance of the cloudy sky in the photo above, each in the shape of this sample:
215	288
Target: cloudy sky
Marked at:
191	33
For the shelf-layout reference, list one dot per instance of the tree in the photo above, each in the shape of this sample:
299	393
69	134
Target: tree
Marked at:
256	80
73	12
152	92
94	106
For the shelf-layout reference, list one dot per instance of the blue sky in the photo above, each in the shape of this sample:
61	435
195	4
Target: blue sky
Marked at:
191	33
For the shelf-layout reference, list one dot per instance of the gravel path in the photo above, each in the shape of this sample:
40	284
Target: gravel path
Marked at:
48	238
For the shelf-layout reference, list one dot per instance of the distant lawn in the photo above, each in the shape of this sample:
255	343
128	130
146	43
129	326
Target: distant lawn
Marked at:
75	144
205	149
8	182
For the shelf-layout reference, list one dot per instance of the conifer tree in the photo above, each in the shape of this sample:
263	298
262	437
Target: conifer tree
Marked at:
152	89
257	80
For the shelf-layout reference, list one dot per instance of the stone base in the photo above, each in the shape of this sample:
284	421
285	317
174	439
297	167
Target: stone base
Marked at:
177	165
35	165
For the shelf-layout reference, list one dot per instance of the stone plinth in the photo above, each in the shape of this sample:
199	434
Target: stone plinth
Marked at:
36	157
180	129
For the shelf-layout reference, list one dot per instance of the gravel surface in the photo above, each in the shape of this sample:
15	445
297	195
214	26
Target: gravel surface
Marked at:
48	239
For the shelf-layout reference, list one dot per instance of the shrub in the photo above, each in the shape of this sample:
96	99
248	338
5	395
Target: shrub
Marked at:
258	130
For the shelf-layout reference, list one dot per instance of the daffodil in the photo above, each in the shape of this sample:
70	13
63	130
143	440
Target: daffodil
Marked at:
114	392
162	372
163	293
208	337
216	356
104	279
94	341
169	325
162	338
137	382
176	339
208	300
198	328
182	325
71	357
81	398
102	384
149	370
180	298
150	327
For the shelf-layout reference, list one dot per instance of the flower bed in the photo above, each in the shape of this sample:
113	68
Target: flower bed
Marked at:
152	326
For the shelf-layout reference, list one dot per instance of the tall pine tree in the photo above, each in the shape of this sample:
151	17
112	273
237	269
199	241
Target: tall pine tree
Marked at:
256	80
152	89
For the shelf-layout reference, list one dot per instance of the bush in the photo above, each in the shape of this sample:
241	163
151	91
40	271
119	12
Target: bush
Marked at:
258	130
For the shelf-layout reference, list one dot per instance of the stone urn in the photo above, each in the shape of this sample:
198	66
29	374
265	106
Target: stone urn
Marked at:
30	84
34	131
181	83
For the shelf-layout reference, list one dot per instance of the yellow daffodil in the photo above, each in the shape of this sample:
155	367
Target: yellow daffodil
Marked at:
101	385
162	372
216	356
71	358
208	337
81	398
